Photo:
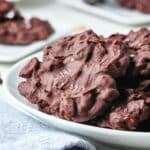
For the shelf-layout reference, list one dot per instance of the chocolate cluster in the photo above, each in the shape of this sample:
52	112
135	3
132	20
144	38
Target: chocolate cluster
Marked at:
15	30
140	5
88	78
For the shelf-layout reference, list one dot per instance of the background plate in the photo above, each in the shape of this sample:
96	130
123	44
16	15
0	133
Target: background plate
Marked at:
111	10
12	53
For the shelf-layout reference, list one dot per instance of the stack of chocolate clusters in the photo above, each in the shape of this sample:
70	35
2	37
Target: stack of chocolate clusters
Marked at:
140	5
90	79
15	30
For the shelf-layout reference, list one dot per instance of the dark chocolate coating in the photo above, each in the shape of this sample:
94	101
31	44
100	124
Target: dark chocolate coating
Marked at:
139	50
15	30
129	114
110	55
20	33
137	45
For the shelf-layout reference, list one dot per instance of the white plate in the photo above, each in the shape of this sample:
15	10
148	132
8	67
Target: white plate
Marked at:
111	10
110	137
12	53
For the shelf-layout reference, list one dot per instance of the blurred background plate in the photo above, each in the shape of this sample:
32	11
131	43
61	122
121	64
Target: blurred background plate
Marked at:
111	10
12	53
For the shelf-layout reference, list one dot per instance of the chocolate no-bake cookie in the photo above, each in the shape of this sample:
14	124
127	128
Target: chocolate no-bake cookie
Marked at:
86	78
15	30
140	5
21	33
70	79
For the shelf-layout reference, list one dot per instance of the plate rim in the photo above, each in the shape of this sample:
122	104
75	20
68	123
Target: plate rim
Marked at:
29	109
106	14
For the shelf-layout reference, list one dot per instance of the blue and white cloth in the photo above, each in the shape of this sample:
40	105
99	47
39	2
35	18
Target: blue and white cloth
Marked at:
20	132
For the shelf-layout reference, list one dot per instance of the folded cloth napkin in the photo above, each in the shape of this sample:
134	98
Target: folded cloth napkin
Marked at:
20	132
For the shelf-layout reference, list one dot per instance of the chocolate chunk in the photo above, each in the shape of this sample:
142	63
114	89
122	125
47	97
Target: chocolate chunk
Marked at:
137	39
30	68
117	36
139	50
118	60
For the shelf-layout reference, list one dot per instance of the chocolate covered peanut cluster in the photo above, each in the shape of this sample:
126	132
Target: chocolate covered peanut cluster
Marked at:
89	79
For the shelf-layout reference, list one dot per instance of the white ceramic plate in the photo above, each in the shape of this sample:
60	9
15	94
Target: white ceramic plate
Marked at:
115	138
111	10
9	53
